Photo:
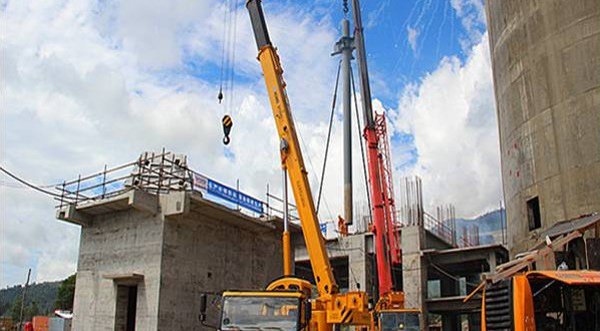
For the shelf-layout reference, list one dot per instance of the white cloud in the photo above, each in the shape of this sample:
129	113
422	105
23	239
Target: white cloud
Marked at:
451	113
472	17
374	16
412	35
88	84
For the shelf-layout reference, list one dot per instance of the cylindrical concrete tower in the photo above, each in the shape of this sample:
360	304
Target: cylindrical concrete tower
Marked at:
546	64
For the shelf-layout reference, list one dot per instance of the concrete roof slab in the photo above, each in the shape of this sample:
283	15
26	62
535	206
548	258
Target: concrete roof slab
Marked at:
219	213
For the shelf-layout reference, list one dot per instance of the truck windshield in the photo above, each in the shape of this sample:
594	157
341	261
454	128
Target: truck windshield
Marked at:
260	313
399	321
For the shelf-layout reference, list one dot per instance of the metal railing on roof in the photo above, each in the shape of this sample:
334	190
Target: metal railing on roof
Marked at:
161	173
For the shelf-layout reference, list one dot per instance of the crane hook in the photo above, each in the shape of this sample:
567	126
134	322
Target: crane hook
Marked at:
227	124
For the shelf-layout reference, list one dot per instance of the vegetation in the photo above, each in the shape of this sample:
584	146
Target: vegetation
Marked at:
41	298
32	309
489	224
66	294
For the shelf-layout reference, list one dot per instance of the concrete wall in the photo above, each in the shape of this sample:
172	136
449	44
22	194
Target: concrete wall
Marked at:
204	255
360	263
188	247
546	64
117	243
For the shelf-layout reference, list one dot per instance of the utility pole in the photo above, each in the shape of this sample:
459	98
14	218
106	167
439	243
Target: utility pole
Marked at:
23	300
345	46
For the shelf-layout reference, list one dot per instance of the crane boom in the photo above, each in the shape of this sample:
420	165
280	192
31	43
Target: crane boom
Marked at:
291	155
375	165
389	309
361	57
290	298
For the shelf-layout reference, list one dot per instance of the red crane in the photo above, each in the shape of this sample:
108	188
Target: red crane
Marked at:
387	188
390	308
387	248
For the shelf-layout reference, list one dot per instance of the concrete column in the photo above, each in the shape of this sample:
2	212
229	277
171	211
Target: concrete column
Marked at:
414	270
492	261
359	264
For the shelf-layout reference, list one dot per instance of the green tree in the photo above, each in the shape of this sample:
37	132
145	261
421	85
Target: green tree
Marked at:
15	310
66	294
32	310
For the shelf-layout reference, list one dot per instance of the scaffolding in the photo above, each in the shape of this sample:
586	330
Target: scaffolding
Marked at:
162	173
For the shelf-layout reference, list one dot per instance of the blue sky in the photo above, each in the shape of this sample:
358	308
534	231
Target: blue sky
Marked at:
90	83
439	33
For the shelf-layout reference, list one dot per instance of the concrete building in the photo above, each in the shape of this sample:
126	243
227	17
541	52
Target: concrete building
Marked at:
150	248
153	240
434	275
546	64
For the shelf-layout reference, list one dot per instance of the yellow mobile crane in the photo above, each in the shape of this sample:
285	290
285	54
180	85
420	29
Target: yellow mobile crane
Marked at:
286	304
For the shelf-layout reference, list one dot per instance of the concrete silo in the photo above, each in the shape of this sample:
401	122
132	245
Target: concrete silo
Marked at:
546	64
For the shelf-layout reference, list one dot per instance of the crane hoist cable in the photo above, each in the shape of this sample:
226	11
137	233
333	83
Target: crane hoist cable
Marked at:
227	75
231	55
333	103
224	48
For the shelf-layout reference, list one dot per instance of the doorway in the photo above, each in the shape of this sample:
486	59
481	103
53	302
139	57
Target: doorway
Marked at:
126	307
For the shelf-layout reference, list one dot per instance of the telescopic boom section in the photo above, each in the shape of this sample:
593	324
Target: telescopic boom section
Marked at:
375	166
291	155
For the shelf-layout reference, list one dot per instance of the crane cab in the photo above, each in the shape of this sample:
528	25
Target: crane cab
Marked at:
390	314
398	320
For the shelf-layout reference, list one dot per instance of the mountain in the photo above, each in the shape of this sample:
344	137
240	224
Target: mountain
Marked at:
43	294
489	224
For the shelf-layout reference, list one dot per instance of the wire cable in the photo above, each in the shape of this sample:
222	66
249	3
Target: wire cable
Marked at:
333	103
26	183
312	168
362	149
220	95
234	12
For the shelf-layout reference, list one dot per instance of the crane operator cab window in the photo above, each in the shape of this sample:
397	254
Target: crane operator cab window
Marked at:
264	313
399	321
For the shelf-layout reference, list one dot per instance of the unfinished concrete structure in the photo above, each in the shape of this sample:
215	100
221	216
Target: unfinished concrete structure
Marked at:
546	64
434	275
149	248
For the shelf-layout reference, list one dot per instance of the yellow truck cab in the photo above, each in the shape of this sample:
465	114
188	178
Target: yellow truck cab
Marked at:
264	310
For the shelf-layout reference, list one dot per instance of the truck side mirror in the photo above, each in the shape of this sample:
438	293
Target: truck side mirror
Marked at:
203	307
